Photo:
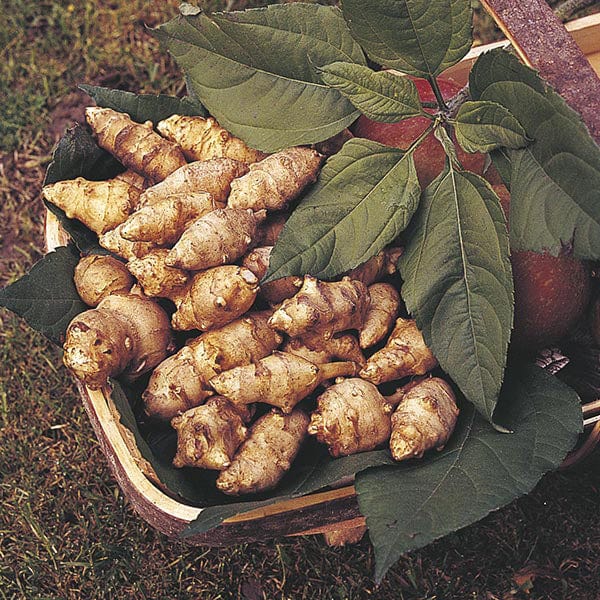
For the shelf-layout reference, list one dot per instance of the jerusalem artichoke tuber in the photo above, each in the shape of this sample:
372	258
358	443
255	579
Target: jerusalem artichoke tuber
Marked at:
323	308
136	145
155	276
404	354
266	455
97	275
202	139
113	240
214	297
125	334
424	419
377	267
208	435
219	237
275	181
382	314
319	351
281	380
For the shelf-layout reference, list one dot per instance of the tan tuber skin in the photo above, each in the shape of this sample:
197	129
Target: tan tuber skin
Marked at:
275	181
137	181
214	298
274	292
323	308
125	335
424	419
164	220
208	435
113	240
181	381
218	238
320	351
211	176
352	416
155	276
266	455
382	314
404	354
97	276
203	139
281	380
136	146
99	205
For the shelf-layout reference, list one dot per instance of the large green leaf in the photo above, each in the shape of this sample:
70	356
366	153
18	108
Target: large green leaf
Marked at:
144	107
479	471
485	126
554	181
381	96
46	297
418	37
365	196
458	282
256	70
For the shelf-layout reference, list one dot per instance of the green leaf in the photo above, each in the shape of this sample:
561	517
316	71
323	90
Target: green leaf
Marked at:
418	37
381	96
46	297
256	70
365	196
458	282
479	471
485	126
144	107
554	181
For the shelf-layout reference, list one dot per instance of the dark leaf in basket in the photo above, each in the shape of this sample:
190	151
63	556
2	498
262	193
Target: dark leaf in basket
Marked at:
364	198
555	180
46	297
480	470
144	107
418	37
256	70
458	282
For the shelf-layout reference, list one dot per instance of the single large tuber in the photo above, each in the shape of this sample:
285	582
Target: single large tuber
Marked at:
323	308
98	275
424	419
209	435
266	455
382	314
352	416
218	238
404	354
281	380
136	145
202	139
214	297
275	181
125	335
181	381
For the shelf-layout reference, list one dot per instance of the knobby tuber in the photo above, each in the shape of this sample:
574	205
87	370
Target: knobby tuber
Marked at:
114	242
155	276
275	181
214	297
352	416
323	308
281	380
404	354
181	381
136	145
424	419
97	276
164	220
100	205
318	351
266	455
218	238
125	335
381	315
211	176
203	139
209	435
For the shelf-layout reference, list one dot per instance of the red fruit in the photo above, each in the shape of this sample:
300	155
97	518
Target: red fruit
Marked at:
429	156
551	293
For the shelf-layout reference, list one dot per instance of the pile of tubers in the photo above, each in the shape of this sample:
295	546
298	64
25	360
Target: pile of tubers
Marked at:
193	219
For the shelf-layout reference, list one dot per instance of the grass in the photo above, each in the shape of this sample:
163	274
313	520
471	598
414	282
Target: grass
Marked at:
66	531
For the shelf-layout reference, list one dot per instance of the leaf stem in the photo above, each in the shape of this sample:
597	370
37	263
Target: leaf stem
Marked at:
438	94
418	141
